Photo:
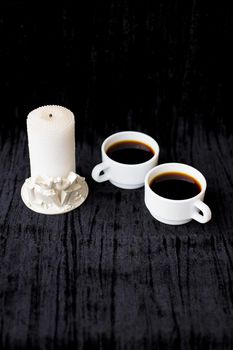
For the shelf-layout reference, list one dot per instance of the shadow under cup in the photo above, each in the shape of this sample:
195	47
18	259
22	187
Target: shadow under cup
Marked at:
177	211
122	175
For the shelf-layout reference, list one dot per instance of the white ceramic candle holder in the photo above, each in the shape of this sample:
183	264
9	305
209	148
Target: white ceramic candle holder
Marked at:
54	187
54	195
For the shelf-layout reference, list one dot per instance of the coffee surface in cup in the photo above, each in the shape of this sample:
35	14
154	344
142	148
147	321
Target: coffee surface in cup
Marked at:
130	152
175	185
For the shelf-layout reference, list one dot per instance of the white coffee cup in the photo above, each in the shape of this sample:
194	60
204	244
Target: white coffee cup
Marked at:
176	212
128	176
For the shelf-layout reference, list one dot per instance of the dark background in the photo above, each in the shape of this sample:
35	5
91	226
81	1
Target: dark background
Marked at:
120	62
108	276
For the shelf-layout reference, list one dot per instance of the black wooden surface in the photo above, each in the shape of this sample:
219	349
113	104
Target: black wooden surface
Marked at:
107	275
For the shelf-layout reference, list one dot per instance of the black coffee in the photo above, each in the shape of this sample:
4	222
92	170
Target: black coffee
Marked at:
175	185
130	152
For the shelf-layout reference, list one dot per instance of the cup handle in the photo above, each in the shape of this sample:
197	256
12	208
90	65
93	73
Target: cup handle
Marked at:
204	209
97	170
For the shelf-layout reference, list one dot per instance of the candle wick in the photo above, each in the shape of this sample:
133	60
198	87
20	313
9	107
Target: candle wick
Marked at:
50	115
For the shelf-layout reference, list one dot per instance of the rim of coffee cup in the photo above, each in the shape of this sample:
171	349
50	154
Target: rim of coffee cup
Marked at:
156	151
202	182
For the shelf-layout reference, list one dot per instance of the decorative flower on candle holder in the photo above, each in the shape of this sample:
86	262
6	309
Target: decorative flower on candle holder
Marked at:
55	195
54	187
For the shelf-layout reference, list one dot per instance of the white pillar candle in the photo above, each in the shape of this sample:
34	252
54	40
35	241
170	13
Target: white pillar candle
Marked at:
51	139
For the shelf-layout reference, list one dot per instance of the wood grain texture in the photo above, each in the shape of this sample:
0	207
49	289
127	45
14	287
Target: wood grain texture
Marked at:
107	275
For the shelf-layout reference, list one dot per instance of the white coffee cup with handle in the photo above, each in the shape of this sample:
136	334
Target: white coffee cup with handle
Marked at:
181	211
129	176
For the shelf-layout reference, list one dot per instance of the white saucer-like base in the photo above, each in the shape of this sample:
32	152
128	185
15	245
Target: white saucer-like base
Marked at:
52	209
170	222
125	186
